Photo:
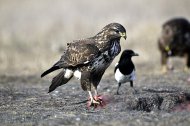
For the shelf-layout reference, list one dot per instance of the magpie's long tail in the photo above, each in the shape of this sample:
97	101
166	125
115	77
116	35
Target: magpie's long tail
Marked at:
50	70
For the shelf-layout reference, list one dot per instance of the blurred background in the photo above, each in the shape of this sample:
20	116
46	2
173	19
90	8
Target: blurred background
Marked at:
33	33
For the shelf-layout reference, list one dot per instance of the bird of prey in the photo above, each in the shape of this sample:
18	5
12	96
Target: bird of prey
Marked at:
88	59
125	69
174	41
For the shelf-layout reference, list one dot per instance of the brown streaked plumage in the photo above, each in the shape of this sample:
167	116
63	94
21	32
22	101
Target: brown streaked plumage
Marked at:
175	41
88	59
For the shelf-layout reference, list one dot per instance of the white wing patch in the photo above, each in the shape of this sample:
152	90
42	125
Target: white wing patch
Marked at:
68	73
86	62
77	74
124	78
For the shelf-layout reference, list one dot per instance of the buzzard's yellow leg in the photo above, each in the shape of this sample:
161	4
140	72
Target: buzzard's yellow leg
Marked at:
164	69
92	100
96	92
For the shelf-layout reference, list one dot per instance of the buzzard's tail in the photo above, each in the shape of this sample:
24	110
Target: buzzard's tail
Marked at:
59	80
50	70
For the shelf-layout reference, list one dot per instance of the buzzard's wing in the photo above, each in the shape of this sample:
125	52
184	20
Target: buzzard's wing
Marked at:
78	54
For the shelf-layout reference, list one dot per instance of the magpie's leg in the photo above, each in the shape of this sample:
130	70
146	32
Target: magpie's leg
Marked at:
134	90
131	83
119	84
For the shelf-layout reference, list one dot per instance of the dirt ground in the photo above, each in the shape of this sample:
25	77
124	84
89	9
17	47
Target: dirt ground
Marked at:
156	99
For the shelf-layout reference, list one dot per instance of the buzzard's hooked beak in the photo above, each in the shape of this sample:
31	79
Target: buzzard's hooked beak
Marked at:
167	48
123	35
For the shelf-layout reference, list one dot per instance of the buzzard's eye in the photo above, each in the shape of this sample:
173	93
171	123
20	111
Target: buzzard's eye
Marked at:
117	31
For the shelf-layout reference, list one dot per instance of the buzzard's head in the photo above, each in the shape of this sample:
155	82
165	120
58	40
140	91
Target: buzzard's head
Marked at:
113	31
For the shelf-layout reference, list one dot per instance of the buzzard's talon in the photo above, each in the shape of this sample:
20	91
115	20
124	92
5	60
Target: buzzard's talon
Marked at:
93	103
96	102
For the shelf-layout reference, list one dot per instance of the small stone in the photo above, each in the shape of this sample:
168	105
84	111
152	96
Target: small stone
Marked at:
77	119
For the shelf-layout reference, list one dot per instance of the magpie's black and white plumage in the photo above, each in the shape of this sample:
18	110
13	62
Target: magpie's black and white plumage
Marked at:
88	59
125	69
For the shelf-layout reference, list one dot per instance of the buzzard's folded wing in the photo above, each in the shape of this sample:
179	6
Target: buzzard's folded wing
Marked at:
78	54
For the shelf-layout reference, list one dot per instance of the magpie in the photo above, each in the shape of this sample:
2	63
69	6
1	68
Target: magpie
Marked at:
125	69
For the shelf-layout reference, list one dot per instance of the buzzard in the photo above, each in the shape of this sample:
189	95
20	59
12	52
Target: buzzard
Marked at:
175	41
125	69
88	59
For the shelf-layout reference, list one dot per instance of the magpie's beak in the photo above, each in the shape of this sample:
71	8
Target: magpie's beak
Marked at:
123	35
135	54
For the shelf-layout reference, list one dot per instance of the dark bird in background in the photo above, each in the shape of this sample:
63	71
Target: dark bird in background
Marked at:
88	59
175	41
125	69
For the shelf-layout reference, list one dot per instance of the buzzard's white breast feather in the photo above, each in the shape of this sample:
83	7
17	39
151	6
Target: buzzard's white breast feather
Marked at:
77	74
